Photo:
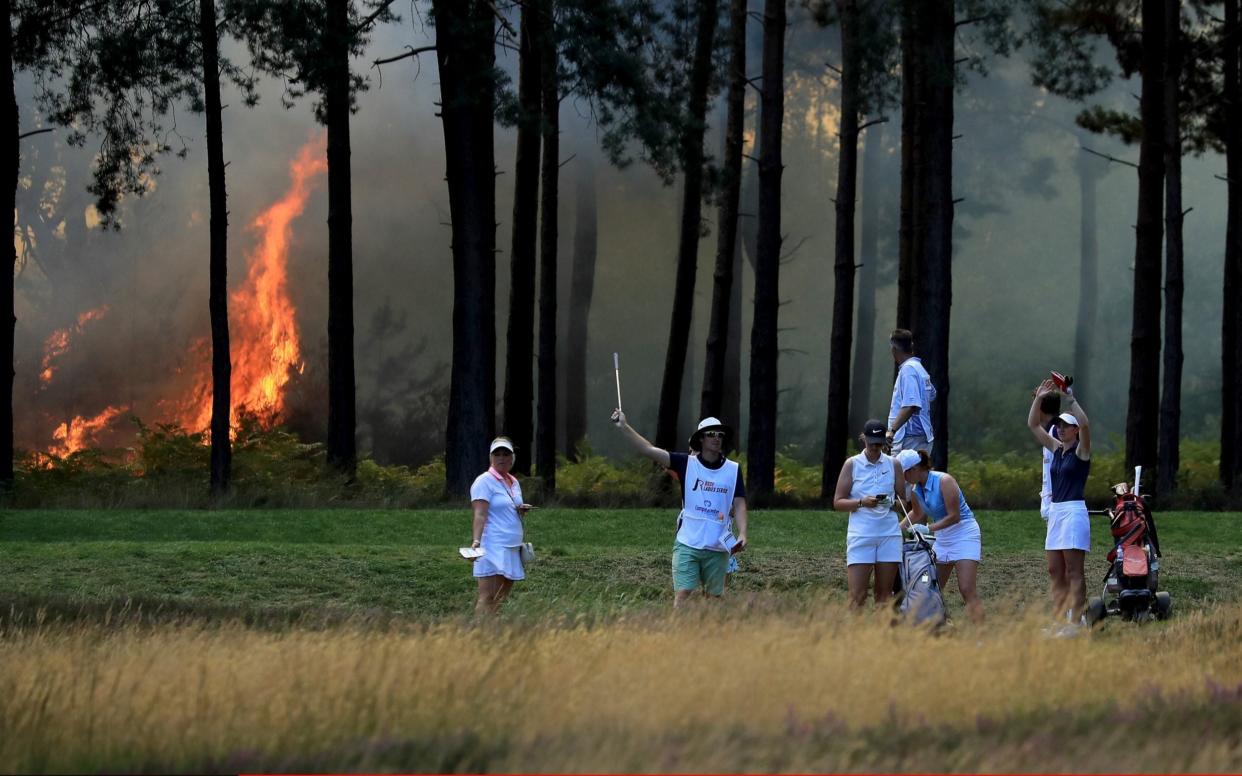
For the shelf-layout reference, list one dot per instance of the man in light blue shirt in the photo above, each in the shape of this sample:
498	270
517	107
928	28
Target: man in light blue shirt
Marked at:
910	413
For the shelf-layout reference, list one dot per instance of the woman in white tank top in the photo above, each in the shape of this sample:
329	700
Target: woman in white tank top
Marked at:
866	488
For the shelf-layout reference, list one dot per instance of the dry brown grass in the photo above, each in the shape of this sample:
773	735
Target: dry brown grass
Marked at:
763	689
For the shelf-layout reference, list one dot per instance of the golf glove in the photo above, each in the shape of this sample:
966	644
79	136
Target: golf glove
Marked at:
919	528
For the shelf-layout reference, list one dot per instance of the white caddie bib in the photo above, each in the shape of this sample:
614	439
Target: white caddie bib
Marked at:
707	498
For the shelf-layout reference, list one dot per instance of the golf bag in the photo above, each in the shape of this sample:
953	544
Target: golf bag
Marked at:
919	598
1132	579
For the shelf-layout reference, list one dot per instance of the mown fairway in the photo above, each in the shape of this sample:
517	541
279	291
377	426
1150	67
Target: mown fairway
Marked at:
405	564
340	640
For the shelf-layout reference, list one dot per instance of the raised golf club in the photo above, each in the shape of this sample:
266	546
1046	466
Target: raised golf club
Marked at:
616	370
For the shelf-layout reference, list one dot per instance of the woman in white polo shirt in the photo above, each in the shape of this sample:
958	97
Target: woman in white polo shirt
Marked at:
866	489
496	497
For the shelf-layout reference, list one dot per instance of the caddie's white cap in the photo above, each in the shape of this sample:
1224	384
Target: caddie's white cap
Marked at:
1067	418
708	424
501	443
907	459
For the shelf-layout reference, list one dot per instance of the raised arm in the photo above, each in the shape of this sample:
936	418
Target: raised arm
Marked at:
636	440
1083	450
1032	418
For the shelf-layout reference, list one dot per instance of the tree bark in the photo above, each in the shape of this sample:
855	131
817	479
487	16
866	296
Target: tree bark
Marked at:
1142	414
691	153
1231	311
868	246
520	351
1089	173
764	346
342	422
545	442
218	299
581	290
716	358
1174	284
910	240
934	228
464	52
836	433
10	167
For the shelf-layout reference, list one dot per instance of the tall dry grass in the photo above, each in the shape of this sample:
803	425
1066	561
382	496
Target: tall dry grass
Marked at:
764	690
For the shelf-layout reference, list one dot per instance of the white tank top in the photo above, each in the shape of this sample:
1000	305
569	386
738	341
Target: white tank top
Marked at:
873	479
707	496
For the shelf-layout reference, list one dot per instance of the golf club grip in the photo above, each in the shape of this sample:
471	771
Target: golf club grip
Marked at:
616	361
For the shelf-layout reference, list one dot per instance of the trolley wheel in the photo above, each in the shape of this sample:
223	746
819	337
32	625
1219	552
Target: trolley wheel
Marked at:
1164	605
1095	610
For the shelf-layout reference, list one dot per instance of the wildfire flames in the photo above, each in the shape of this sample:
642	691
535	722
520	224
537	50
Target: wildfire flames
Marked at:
262	328
263	331
58	343
78	433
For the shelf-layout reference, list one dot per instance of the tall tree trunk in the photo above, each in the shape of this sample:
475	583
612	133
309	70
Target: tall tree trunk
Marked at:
868	246
1231	311
465	55
12	163
764	347
913	76
581	289
520	351
714	363
1171	393
342	450
691	153
935	265
731	392
837	432
1089	173
218	298
545	443
1142	414
748	248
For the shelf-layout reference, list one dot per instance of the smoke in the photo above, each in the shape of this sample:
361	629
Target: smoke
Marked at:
1015	265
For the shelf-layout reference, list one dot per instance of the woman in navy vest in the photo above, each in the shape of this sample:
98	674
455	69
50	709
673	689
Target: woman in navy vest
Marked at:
713	494
1069	528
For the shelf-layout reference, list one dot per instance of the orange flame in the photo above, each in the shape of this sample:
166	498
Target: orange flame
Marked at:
58	342
262	328
77	433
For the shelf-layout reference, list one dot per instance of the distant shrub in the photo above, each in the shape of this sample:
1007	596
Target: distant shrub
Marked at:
272	467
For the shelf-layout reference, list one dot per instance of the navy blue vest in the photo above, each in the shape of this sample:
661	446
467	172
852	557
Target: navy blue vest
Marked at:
1069	475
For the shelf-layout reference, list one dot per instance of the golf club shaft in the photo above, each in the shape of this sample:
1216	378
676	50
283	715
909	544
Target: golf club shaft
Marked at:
616	367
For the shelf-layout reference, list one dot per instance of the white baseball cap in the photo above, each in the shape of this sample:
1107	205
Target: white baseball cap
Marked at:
1067	418
500	443
907	459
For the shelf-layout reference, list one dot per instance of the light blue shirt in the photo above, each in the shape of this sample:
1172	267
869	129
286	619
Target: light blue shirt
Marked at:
913	388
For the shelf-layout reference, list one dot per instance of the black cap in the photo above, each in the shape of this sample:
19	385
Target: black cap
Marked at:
874	431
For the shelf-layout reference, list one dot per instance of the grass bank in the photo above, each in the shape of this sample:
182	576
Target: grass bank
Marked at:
812	689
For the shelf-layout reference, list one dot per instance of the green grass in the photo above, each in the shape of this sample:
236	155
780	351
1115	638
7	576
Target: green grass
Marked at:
403	564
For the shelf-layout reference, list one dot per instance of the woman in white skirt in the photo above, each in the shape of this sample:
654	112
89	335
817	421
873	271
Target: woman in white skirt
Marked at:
1069	529
940	507
866	489
496	497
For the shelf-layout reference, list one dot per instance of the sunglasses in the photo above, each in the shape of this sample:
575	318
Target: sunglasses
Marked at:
714	434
